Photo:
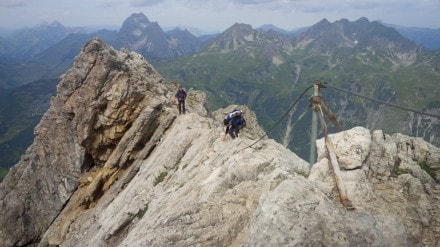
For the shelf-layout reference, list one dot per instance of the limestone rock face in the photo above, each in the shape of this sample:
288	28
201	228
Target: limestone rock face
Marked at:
114	164
99	99
390	186
351	146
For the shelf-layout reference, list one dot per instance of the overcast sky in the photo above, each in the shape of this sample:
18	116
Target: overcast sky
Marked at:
218	15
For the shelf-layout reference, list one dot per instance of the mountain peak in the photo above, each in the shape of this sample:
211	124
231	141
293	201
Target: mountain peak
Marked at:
53	24
363	20
139	17
148	38
233	38
137	20
324	21
240	26
179	30
268	27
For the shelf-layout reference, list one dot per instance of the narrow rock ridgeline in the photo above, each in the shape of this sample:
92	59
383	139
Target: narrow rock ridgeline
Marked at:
99	101
113	164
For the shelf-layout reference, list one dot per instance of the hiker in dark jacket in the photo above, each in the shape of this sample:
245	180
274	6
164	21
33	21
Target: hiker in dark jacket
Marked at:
181	96
234	122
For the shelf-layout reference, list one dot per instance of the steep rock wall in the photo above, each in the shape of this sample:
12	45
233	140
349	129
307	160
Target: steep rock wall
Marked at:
98	100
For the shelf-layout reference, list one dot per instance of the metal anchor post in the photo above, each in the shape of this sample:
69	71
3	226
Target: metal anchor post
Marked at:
318	104
314	129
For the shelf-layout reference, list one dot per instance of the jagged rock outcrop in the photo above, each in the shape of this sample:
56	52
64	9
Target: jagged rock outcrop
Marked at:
113	164
387	179
102	96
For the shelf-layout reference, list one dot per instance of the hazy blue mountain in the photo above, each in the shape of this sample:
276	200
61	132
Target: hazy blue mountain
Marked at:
203	40
428	37
267	27
50	63
292	33
5	32
28	42
24	44
5	46
59	57
184	41
24	55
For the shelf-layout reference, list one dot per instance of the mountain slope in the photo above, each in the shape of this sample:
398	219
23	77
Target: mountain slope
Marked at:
428	37
49	63
113	164
268	71
185	41
20	111
28	42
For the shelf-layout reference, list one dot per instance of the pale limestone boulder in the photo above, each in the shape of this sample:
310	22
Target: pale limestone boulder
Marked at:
295	213
351	147
417	150
390	183
382	158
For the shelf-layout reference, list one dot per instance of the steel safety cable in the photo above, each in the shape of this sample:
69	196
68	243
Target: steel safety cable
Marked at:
385	103
282	117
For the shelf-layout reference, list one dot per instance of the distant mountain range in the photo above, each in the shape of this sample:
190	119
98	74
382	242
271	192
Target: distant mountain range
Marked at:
47	51
28	42
428	37
267	70
264	68
148	38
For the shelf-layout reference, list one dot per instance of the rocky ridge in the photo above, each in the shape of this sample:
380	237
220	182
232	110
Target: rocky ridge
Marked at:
360	35
113	164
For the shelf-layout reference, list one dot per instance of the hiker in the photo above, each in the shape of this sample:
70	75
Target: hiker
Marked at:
234	122
181	96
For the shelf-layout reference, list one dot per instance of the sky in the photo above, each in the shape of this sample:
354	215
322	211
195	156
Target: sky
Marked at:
211	16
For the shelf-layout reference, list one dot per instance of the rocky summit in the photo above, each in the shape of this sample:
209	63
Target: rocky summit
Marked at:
114	164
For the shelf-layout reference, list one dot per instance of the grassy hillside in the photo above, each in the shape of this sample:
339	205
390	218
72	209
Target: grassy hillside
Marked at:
3	173
20	112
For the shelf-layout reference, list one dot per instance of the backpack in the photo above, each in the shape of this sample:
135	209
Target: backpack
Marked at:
233	114
181	95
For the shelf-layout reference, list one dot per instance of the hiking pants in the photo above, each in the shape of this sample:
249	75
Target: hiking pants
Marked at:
181	106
